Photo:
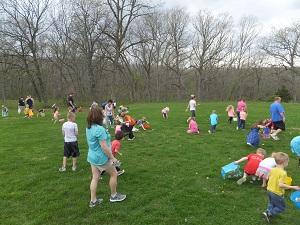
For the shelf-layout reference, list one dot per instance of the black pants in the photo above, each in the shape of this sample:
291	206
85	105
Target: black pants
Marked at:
128	129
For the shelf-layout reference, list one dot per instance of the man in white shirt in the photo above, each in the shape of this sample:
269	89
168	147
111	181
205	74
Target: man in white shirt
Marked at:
192	105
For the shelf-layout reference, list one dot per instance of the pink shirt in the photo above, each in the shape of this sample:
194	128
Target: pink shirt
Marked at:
243	115
115	146
241	105
230	113
118	128
193	126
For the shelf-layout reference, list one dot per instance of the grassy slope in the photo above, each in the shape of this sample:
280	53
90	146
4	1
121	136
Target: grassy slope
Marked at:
171	177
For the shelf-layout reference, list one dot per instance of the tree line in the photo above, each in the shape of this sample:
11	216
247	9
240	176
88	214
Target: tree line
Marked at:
133	50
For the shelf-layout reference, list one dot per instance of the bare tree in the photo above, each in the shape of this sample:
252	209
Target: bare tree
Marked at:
283	45
24	24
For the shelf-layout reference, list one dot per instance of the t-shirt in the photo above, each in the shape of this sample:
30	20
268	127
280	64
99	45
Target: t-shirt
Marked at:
193	126
94	135
213	119
241	105
243	115
70	99
109	110
29	102
275	109
115	146
192	104
253	163
230	113
69	128
128	118
277	176
21	102
268	163
118	128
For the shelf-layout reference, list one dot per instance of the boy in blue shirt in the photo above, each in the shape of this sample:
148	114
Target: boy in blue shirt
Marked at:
213	121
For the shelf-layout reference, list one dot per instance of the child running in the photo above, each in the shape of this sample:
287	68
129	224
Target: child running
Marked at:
55	114
264	167
70	132
252	164
230	112
276	187
213	121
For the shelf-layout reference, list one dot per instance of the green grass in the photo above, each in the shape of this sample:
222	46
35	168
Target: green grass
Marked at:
171	177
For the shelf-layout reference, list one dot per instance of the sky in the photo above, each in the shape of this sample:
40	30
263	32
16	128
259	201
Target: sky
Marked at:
276	13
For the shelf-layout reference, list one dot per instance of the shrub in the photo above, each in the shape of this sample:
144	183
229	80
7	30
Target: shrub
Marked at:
284	94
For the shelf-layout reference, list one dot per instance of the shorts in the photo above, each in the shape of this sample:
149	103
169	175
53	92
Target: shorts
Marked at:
105	166
71	149
279	125
263	172
193	113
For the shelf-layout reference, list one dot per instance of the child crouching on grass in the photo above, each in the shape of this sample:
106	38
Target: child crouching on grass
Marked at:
193	126
252	164
277	186
264	167
70	132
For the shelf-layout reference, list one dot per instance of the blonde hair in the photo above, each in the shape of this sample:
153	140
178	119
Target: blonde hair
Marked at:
261	151
273	155
70	115
281	157
214	111
229	107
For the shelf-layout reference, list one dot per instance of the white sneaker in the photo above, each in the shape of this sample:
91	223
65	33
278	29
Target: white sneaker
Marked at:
237	128
242	180
121	172
249	144
274	136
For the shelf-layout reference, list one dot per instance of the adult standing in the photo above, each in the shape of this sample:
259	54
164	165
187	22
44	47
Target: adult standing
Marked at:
240	106
21	106
30	102
109	113
277	117
100	156
192	105
71	102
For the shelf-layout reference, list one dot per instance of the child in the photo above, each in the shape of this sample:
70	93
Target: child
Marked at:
295	146
276	187
193	126
128	124
41	113
252	164
243	116
55	114
264	168
4	111
164	112
115	149
253	136
109	113
213	121
231	114
70	132
94	105
28	112
141	123
118	127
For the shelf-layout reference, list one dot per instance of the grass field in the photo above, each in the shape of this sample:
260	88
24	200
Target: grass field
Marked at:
171	177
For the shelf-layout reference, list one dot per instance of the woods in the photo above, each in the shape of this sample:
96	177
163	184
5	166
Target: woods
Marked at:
133	50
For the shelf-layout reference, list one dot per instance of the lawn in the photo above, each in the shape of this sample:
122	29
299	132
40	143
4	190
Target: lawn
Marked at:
171	177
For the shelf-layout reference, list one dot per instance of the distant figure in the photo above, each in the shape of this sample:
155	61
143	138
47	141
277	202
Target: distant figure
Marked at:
164	112
55	114
192	105
21	106
70	132
30	102
230	112
240	105
94	105
278	117
109	113
243	117
41	113
213	121
4	111
142	122
71	102
193	126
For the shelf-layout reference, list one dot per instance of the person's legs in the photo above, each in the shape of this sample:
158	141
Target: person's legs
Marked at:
65	161
74	163
107	122
130	135
264	183
94	182
113	180
276	204
239	119
111	121
243	179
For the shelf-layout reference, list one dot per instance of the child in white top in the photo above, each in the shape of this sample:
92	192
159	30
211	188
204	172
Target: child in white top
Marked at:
264	168
70	132
164	112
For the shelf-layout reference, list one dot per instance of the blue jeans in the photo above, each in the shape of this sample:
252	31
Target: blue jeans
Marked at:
242	124
239	119
276	204
109	119
212	128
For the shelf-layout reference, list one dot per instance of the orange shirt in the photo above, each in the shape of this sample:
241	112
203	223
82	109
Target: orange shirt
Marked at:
128	118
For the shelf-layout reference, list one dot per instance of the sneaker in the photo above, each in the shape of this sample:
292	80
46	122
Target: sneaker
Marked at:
130	139
74	168
274	136
121	172
242	180
117	198
62	168
98	201
237	128
249	144
209	131
266	216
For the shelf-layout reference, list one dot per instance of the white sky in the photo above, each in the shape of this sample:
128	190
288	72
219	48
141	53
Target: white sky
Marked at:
277	13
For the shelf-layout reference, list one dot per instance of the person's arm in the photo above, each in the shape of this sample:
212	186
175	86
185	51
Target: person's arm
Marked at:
241	160
117	152
283	116
187	107
283	185
107	151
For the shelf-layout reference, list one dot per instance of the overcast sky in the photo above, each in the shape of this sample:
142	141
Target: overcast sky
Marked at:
278	13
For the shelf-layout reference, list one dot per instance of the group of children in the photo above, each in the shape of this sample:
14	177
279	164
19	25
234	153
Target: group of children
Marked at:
273	174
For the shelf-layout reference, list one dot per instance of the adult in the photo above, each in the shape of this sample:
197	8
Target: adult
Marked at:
30	102
192	105
100	156
71	102
21	106
277	117
240	106
109	113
